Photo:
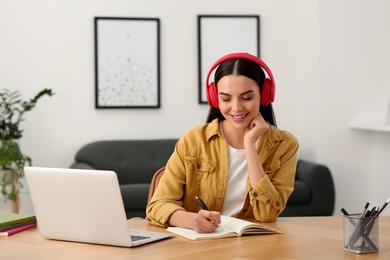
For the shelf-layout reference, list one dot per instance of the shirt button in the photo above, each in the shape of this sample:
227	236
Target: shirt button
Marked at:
254	194
268	168
277	204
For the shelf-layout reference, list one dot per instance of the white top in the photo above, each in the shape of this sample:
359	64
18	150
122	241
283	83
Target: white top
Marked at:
236	183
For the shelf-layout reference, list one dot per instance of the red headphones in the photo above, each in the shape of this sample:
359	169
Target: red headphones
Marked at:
268	89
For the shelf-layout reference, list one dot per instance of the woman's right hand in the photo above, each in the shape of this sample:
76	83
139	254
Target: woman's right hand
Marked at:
202	222
207	221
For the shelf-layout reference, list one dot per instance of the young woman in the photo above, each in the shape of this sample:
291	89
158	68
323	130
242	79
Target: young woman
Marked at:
239	163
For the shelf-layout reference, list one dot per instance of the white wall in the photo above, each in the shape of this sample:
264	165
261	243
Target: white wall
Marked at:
353	61
329	59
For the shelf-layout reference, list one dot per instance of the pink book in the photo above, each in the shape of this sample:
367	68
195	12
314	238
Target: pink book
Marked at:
16	230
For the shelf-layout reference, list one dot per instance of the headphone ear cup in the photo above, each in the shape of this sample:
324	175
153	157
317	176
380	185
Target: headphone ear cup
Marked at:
267	92
212	95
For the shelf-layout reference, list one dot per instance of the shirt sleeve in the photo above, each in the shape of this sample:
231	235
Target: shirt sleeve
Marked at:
269	198
168	196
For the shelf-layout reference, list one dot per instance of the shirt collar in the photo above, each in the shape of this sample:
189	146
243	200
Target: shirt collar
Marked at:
213	129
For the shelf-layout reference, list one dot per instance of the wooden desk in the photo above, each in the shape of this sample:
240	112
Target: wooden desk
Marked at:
303	238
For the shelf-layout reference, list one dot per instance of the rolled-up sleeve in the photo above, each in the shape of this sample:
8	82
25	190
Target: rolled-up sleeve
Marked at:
269	197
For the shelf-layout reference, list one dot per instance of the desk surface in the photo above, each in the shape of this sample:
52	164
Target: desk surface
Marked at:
303	238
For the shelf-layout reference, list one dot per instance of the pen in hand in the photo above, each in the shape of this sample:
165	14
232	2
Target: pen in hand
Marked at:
204	206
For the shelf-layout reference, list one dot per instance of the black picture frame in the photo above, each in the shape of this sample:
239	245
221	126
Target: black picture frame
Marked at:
127	62
219	35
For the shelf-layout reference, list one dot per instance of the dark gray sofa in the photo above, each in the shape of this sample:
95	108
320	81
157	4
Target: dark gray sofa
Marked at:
314	192
136	161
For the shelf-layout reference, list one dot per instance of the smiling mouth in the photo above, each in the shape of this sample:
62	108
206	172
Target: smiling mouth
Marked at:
238	117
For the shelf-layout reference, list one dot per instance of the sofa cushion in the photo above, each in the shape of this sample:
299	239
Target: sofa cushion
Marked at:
135	195
300	195
135	161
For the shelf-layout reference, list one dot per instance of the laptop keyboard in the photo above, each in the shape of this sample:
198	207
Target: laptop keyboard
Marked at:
137	238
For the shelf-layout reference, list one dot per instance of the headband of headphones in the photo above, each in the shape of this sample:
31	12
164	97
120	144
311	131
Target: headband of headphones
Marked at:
268	89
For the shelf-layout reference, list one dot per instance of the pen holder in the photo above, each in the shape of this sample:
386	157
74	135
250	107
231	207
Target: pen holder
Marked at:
361	234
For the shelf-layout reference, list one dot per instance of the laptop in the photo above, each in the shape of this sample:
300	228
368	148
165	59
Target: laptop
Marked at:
82	206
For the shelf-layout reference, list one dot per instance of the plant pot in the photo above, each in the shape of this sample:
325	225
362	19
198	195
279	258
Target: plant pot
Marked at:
15	204
11	179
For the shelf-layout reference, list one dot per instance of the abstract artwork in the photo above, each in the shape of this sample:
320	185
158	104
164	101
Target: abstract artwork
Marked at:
127	62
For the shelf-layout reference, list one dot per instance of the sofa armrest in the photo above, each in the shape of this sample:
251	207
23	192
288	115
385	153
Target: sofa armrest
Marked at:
81	165
319	179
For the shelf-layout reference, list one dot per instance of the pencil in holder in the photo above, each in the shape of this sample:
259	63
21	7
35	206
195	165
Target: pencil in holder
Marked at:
361	234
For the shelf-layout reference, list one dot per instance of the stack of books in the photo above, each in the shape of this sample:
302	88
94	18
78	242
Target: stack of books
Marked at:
14	223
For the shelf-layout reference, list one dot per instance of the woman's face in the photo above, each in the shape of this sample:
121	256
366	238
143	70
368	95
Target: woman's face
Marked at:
239	100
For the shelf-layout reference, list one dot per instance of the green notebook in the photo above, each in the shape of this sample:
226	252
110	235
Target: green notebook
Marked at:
7	219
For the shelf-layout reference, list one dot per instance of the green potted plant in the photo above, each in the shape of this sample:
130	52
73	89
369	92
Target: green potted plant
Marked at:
12	160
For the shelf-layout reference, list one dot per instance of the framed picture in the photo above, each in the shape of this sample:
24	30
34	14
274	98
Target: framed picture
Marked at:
219	35
127	62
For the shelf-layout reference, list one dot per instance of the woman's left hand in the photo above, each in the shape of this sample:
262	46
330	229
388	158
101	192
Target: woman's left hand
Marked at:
255	130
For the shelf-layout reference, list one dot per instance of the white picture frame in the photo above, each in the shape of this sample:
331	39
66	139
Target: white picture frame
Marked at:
127	62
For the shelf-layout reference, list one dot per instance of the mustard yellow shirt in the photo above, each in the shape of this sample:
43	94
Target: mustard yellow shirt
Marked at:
199	167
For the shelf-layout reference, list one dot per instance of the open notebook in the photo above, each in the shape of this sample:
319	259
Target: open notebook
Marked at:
82	206
230	227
